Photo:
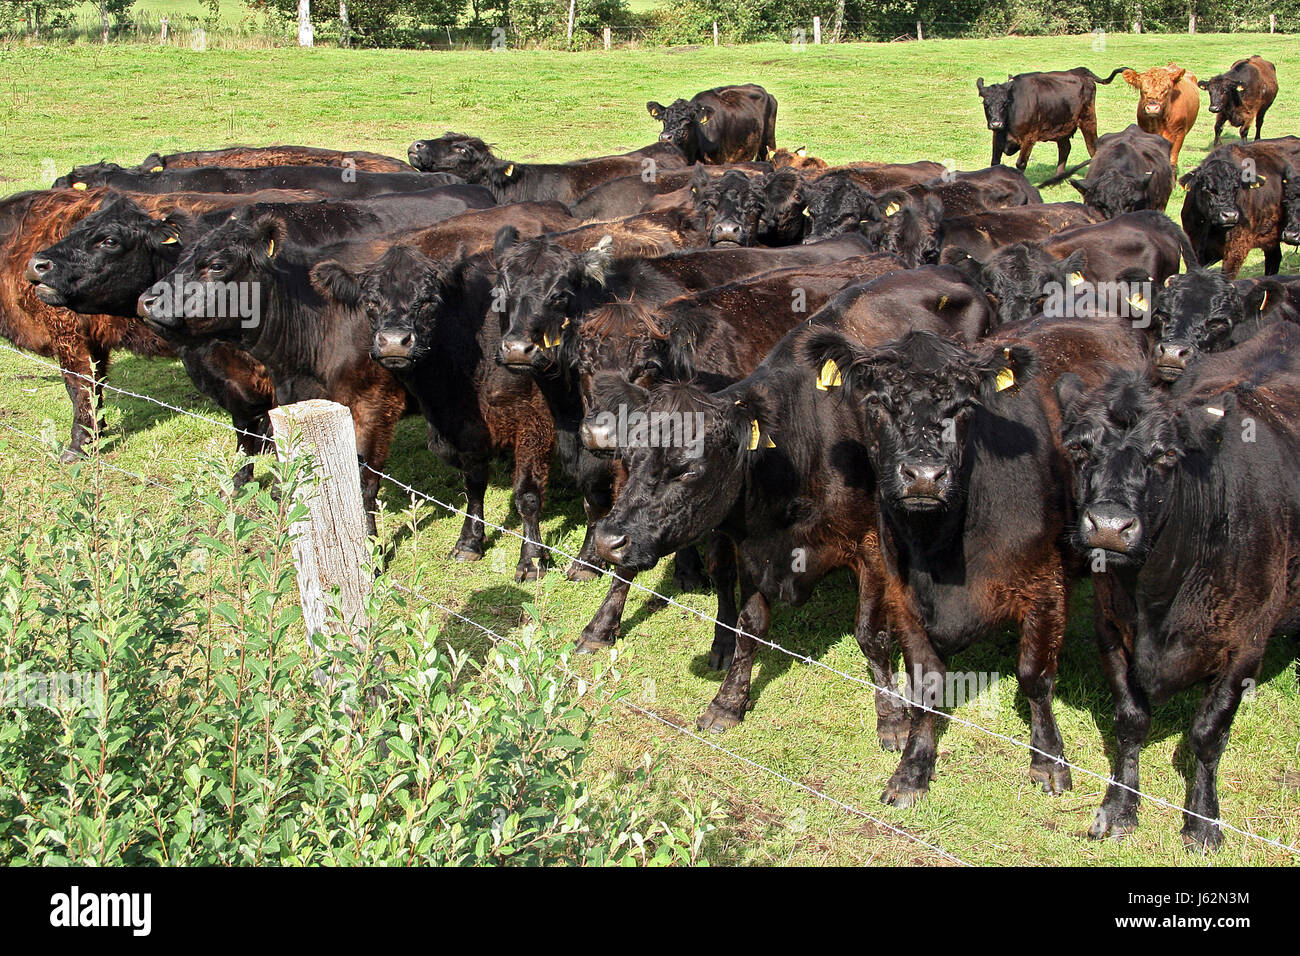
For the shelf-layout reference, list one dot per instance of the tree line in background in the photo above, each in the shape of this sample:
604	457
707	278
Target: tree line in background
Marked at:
423	23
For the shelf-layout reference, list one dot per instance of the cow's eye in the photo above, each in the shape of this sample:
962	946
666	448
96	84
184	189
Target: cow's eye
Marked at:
685	476
108	242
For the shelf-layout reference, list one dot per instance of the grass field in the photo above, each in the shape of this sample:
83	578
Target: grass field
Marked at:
882	102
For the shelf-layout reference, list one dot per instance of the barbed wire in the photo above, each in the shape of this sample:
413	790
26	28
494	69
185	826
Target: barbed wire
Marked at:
801	658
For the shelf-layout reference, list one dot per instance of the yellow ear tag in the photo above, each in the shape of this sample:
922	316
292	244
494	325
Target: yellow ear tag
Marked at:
1264	301
1006	378
270	249
1076	278
548	342
703	120
891	209
754	437
830	376
1138	301
156	169
169	240
807	212
510	170
80	186
943	300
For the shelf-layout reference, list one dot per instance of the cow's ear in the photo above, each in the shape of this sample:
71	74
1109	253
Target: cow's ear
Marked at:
152	163
507	236
268	235
1203	84
972	269
1080	186
979	83
1069	388
1074	263
801	151
1177	74
1266	300
1202	425
1006	369
703	113
333	281
1185	179
933	207
166	232
655	109
752	423
1132	78
699	181
596	261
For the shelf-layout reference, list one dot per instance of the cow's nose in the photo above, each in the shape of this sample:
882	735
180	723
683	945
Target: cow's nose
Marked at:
1291	236
395	343
1214	109
1229	216
1171	359
149	307
923	479
38	268
611	546
597	436
725	232
517	352
1110	528
665	137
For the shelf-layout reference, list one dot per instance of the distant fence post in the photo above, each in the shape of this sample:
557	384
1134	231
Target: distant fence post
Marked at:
1137	20
1191	23
569	35
919	34
162	30
817	29
1272	23
715	32
306	35
330	549
606	39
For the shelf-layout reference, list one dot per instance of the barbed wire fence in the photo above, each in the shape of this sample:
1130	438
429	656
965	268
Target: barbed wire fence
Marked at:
805	659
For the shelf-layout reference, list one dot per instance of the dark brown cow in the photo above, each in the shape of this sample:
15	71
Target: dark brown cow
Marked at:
246	156
728	124
1242	95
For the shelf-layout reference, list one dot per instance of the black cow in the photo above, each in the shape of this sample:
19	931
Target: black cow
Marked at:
1189	506
1290	233
1039	107
1130	170
434	329
1234	202
1242	95
965	193
472	160
727	124
328	182
629	195
982	234
275	156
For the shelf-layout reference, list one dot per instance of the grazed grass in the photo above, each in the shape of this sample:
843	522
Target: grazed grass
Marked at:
887	102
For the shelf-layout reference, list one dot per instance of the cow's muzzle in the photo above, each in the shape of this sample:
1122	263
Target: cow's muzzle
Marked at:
1172	359
516	352
38	271
1110	528
924	484
598	437
611	546
149	307
726	234
392	348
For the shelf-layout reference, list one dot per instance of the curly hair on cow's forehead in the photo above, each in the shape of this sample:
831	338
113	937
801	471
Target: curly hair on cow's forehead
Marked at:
622	317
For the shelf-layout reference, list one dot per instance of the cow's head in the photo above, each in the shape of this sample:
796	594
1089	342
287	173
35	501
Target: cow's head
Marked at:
228	270
1212	188
1225	93
916	398
1155	88
1126	440
677	492
731	205
997	103
905	225
107	259
1291	206
83	177
1194	312
782	221
543	288
1022	279
796	159
465	156
679	123
1115	191
836	205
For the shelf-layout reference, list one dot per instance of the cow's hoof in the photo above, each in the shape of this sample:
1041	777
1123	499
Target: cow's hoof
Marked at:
902	793
690	579
1113	823
1054	778
720	659
462	553
69	456
717	720
893	733
1201	837
529	572
591	645
581	572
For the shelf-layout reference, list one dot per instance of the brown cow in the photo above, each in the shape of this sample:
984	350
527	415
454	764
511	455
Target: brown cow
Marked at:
253	156
1242	95
1168	103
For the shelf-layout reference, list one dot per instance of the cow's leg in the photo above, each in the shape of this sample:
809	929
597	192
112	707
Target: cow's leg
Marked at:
1042	634
78	378
602	630
1235	251
1272	260
1118	813
999	144
375	418
1062	154
1259	120
470	545
530	480
1026	147
586	564
926	671
872	633
732	700
1209	737
722	570
688	570
1088	126
1218	127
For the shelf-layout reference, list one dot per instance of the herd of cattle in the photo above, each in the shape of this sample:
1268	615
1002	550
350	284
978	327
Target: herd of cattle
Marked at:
903	370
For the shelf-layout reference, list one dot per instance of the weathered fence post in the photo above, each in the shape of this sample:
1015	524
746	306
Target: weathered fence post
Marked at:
1191	23
569	35
606	39
1272	23
162	31
919	34
715	32
331	548
817	30
1137	20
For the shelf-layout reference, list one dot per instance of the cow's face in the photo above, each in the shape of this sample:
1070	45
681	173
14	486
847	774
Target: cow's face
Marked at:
676	492
107	259
916	398
464	156
905	226
1124	442
221	284
1155	88
782	220
1194	313
834	208
83	177
1213	187
540	286
1291	206
1225	93
997	104
1114	193
678	123
731	205
1022	279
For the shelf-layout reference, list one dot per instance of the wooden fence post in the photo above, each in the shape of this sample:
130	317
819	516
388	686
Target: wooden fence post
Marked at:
606	39
162	31
919	34
1272	23
331	548
569	35
1191	23
715	32
817	30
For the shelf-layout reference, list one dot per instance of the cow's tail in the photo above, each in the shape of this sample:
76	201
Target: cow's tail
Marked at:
1062	177
1190	259
1113	73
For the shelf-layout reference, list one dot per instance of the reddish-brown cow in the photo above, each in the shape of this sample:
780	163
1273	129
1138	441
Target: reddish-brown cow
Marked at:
1168	103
